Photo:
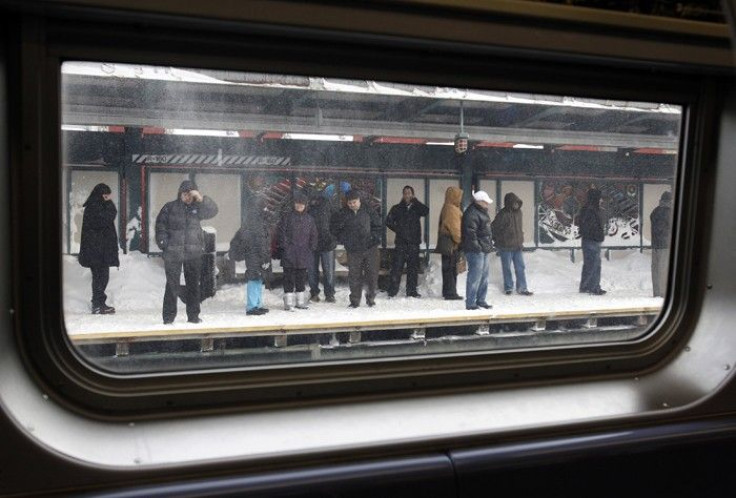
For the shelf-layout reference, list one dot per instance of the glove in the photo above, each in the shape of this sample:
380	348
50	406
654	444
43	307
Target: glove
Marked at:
265	266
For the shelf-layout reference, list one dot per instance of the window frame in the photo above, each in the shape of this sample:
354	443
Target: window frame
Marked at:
36	242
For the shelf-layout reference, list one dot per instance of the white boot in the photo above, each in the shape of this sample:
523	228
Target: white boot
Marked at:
302	300
288	301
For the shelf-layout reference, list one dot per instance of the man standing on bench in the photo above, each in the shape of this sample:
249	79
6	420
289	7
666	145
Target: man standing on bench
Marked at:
403	219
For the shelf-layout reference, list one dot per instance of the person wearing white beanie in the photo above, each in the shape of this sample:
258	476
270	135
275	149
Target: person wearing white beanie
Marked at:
477	245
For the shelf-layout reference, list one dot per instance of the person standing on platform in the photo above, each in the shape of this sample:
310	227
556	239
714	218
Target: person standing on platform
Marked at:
98	248
508	235
404	220
450	229
321	209
591	223
661	219
477	245
179	235
252	244
358	228
298	241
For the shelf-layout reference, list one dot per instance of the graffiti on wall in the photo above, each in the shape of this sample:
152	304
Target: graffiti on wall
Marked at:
559	201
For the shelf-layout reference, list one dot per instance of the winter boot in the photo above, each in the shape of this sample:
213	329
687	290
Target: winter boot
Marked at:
289	300
302	301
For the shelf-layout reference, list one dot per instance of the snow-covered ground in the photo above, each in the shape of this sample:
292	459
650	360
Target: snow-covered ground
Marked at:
136	290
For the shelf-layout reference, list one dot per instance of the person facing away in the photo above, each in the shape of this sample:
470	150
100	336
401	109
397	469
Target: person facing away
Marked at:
404	220
508	235
321	209
252	244
358	228
661	219
591	224
98	249
450	225
298	241
179	236
477	245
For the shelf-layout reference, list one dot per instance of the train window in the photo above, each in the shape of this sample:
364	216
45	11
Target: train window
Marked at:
239	218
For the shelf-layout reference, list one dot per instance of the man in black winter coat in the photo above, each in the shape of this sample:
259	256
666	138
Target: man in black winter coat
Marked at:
358	228
179	236
591	225
404	220
477	243
321	209
661	219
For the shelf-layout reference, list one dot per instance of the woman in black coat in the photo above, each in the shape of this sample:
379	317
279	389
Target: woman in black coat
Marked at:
298	241
98	250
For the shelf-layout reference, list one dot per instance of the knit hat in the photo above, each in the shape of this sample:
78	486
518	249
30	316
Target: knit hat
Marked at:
300	197
187	185
666	196
352	195
482	196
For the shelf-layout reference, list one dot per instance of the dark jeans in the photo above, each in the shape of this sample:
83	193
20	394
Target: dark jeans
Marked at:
409	254
295	279
517	258
590	280
363	268
192	275
328	273
100	278
449	275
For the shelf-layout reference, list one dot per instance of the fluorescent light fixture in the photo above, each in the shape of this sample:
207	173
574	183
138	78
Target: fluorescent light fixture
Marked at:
202	133
317	136
528	146
440	143
83	128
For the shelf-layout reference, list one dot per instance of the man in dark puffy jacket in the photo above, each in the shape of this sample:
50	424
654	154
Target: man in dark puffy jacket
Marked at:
508	235
179	236
321	209
404	219
477	245
358	228
591	224
661	219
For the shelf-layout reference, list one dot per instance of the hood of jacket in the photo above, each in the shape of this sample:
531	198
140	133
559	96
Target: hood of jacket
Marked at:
509	200
594	197
453	195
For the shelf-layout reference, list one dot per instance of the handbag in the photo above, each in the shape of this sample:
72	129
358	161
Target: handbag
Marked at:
445	245
462	264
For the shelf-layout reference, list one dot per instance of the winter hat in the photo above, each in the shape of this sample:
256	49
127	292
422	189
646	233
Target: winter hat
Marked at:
482	196
328	191
666	196
300	197
187	185
594	196
352	195
345	187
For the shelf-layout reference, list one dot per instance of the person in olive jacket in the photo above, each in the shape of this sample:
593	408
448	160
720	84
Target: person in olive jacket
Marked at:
321	209
661	219
404	220
252	244
298	241
358	228
591	226
450	225
179	236
477	245
98	250
508	236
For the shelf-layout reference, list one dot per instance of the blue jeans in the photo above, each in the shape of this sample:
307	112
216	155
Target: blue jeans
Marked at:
328	273
253	294
476	287
517	257
590	280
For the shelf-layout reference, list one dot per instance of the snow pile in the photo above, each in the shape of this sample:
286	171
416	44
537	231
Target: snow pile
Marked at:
136	291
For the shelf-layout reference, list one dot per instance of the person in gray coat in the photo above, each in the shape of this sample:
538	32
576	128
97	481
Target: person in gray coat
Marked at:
661	219
298	241
179	236
508	235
